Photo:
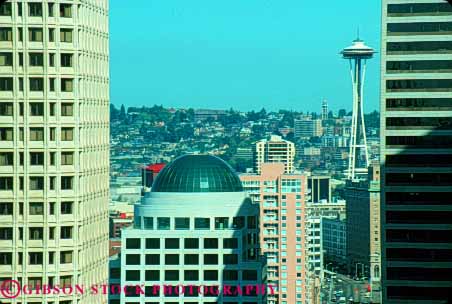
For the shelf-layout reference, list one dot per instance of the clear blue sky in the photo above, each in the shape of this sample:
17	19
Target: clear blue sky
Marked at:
245	54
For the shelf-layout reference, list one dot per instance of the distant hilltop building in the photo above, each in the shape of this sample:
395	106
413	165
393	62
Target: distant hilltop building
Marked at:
204	114
274	150
307	127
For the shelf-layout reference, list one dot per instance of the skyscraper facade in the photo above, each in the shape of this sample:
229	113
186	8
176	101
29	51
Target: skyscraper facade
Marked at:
283	239
54	146
197	227
274	150
416	145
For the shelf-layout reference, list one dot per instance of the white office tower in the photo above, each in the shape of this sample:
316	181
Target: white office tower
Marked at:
197	227
358	54
54	146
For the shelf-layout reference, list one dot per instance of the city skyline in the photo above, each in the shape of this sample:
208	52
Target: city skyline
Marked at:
249	54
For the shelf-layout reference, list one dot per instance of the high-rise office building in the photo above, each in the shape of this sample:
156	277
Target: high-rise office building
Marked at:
54	146
197	227
274	150
282	221
416	157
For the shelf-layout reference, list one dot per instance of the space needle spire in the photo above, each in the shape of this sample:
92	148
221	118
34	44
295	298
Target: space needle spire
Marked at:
357	54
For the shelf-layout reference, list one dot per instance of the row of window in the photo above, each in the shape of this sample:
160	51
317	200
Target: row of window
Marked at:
419	85
438	123
420	142
190	275
419	47
419	28
436	66
37	109
188	259
37	183
419	9
36	158
36	84
36	258
188	243
35	9
419	104
37	134
36	59
418	198
36	208
36	34
36	233
183	223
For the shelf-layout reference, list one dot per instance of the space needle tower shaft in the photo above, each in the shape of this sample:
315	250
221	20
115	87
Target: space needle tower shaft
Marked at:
357	55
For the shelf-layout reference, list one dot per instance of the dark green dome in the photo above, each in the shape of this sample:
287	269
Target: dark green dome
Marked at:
197	173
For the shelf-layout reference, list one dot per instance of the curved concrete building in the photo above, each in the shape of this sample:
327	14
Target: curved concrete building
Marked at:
197	227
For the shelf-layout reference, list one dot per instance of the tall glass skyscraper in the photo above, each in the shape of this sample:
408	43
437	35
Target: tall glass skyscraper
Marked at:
416	151
54	146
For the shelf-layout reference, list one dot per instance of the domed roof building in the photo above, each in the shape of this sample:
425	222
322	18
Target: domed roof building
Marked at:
207	226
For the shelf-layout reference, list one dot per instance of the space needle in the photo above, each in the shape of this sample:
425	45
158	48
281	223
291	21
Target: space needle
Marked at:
357	54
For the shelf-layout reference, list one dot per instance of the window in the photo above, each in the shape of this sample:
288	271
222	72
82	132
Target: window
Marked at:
67	109
238	222
66	60
163	223
134	243
172	243
36	208
152	259
210	259
132	259
171	275
66	35
202	223
191	275
6	158
52	109
66	257
191	243
66	232
21	89
6	208
36	233
36	158
6	34
182	223
148	222
6	134
67	134
230	275
36	84
20	34
50	9
6	183
6	59
67	85
230	243
6	234
51	35
37	134
6	84
152	275
191	259
36	108
65	281
6	258
35	34
5	9
221	223
6	109
35	9
51	233
52	135
67	182
36	183
65	10
132	275
230	259
171	259
210	243
52	84
52	208
66	207
19	8
51	59
52	158
152	243
67	158
252	222
36	59
210	275
249	275
35	258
